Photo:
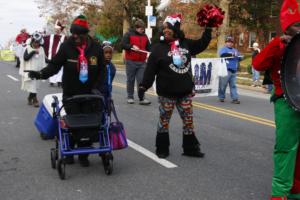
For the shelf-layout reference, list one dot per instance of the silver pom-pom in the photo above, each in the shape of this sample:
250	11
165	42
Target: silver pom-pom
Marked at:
162	38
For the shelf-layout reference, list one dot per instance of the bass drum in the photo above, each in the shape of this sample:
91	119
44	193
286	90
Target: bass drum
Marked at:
290	73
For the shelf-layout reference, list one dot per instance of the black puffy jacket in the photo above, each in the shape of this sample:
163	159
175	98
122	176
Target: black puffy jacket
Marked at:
172	81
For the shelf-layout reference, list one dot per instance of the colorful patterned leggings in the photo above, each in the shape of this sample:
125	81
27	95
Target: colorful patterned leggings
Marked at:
185	110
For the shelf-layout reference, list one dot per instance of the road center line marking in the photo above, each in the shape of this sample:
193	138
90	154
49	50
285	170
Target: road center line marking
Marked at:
151	155
228	112
11	77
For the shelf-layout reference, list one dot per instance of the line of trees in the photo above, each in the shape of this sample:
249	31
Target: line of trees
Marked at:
114	17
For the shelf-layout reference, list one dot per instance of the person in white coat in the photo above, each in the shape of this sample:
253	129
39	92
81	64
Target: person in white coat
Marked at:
33	59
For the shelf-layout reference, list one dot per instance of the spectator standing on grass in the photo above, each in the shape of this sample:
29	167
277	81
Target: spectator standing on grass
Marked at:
255	73
232	57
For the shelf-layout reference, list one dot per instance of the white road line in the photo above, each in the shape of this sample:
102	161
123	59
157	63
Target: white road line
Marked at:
11	77
151	155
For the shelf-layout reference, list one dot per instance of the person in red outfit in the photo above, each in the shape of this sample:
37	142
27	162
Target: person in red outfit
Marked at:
51	47
21	43
286	177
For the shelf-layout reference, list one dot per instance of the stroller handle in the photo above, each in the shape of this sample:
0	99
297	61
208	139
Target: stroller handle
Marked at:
75	98
84	97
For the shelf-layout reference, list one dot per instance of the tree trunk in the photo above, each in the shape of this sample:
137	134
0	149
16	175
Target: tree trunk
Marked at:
224	4
126	23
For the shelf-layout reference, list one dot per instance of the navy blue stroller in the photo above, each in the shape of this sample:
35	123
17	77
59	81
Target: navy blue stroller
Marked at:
98	120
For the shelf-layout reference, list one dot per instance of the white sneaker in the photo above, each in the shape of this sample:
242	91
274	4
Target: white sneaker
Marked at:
145	102
130	101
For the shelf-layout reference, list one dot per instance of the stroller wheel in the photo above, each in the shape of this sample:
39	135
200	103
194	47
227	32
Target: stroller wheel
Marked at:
53	154
61	169
107	160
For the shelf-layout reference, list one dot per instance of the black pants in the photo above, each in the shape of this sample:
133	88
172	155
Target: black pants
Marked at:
32	95
18	61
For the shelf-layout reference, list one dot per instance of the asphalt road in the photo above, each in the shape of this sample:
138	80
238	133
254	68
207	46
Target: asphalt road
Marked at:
237	140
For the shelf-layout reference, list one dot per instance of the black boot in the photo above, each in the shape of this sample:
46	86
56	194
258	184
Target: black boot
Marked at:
18	62
162	145
191	146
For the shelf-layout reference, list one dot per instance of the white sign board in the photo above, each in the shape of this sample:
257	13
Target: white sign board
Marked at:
149	10
206	75
148	32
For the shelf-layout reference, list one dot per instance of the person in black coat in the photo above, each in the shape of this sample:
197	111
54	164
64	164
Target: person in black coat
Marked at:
83	72
170	63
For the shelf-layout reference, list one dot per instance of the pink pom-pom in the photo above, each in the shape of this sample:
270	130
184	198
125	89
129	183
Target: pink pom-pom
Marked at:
210	16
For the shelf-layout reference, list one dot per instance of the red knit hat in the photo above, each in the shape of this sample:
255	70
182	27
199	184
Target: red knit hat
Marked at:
80	25
289	13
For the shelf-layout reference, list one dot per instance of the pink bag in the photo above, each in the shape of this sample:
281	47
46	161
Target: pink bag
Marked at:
117	133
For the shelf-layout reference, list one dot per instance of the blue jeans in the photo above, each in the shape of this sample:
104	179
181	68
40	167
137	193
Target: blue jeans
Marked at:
223	82
255	75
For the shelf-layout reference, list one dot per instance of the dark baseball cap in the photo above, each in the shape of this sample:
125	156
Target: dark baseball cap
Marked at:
229	39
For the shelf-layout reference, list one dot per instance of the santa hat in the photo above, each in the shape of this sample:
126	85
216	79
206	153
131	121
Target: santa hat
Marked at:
80	25
58	25
174	19
289	13
174	22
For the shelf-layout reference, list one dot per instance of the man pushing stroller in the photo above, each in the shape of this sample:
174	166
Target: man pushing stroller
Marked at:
83	71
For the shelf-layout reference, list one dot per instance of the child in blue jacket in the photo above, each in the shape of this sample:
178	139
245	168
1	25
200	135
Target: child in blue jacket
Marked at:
106	88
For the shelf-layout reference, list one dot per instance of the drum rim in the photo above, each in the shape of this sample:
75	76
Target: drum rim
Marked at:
282	73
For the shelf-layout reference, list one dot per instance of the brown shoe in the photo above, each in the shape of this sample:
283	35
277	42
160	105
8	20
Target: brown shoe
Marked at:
35	102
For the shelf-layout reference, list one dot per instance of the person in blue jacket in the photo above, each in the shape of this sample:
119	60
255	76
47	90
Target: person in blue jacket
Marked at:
233	58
